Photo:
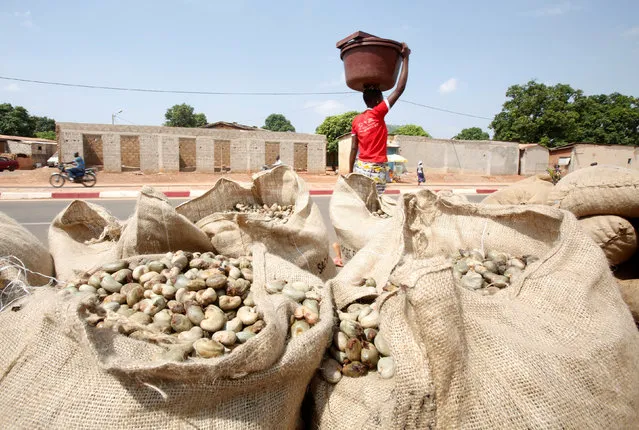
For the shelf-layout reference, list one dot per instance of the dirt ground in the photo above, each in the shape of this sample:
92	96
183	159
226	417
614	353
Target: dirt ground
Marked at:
40	177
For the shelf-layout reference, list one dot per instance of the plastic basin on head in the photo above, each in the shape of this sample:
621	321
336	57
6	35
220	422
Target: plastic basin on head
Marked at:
371	61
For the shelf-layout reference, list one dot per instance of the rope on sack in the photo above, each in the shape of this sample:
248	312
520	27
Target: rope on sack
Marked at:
17	288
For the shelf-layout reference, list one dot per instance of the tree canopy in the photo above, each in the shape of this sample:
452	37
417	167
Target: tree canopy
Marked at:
335	126
46	135
42	124
16	121
184	116
410	130
472	133
554	115
278	122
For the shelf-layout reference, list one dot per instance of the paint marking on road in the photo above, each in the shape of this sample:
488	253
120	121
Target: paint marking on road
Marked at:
118	194
177	193
35	223
464	191
62	195
25	196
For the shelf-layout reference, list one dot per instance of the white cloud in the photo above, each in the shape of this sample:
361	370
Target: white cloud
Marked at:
327	107
556	9
449	86
26	20
13	87
632	32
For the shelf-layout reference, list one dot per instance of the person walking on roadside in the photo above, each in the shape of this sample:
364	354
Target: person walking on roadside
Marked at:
369	134
420	173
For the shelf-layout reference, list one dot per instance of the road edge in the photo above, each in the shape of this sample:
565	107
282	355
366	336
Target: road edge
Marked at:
124	194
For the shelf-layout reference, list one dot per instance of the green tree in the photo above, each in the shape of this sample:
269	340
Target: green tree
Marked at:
472	133
556	115
43	124
612	119
46	135
200	119
335	126
535	111
15	121
411	130
183	116
277	122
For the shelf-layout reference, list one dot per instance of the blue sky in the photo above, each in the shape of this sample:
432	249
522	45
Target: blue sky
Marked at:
465	55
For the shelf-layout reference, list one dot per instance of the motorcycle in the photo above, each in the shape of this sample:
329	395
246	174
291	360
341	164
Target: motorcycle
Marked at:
58	179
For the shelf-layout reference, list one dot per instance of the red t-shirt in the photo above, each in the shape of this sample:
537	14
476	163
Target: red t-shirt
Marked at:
372	134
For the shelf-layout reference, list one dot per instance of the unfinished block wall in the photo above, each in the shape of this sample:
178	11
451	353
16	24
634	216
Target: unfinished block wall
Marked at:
171	149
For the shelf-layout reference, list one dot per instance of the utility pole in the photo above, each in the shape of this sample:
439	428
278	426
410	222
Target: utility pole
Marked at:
113	115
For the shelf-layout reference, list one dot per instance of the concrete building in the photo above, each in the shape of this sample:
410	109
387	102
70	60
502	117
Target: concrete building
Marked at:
172	149
37	150
444	155
580	155
533	159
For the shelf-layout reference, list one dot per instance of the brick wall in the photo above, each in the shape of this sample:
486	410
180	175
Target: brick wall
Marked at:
153	148
130	151
16	147
149	152
272	151
222	154
169	153
300	157
205	154
187	153
92	145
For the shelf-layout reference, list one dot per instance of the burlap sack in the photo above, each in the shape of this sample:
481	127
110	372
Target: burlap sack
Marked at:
557	349
630	292
302	240
156	227
16	241
59	373
353	201
615	236
598	190
81	236
530	191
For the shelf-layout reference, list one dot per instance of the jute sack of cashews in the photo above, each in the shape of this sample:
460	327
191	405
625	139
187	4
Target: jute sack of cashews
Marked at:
85	234
24	260
91	375
358	213
529	191
526	355
598	190
616	236
81	236
275	209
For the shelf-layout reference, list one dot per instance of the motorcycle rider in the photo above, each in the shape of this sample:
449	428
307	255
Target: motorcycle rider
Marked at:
78	169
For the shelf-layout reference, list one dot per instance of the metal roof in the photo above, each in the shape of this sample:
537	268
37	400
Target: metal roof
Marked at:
27	139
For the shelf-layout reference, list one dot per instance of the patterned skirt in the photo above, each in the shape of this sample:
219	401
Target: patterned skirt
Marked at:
375	171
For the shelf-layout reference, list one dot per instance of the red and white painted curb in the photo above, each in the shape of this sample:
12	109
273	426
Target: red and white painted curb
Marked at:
11	195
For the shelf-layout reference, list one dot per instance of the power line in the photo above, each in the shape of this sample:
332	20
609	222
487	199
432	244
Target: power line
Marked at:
444	110
227	93
152	90
125	120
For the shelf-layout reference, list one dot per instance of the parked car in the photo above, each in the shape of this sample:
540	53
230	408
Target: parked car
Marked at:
9	164
53	161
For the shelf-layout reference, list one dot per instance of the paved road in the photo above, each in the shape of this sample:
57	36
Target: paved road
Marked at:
37	214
